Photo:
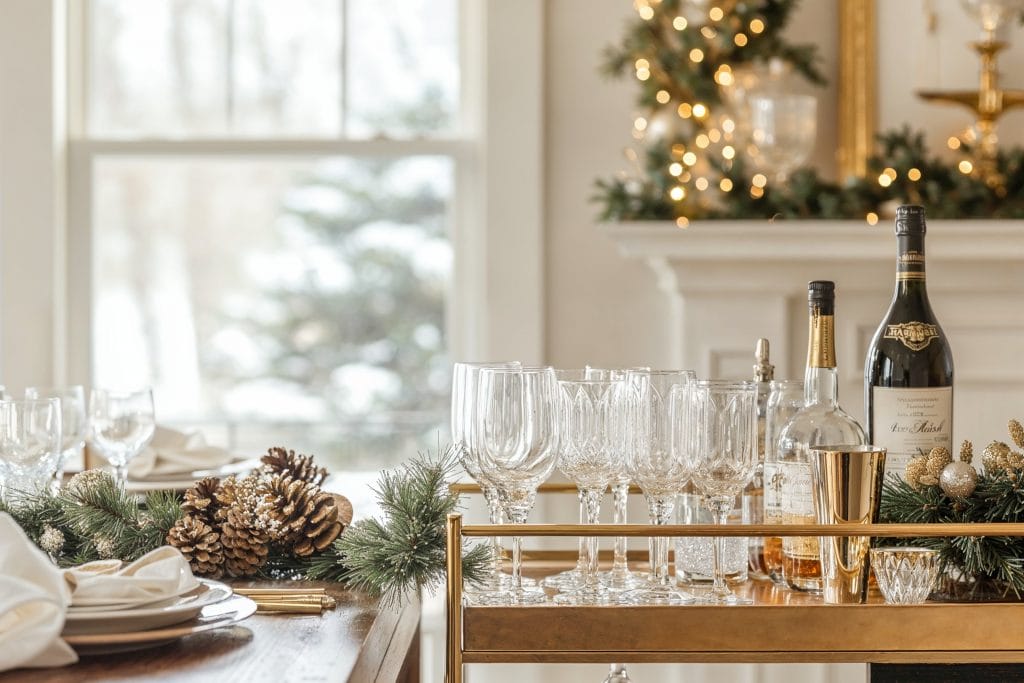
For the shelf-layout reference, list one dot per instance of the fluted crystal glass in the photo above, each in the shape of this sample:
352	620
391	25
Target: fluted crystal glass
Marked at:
517	437
465	387
587	459
660	470
30	440
74	422
716	425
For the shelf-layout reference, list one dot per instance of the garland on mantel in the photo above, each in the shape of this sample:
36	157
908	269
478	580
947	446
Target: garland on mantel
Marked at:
275	522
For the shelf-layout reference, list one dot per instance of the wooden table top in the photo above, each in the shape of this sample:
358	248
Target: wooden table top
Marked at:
357	641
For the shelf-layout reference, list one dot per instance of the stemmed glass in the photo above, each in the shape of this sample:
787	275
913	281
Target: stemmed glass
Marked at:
74	424
587	459
716	424
465	388
122	424
517	438
29	445
660	470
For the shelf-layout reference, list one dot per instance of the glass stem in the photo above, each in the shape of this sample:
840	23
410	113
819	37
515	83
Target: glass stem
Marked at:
592	504
661	509
620	499
516	513
581	560
121	473
721	508
494	513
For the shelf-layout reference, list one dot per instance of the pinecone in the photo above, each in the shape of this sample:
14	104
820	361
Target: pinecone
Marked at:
200	545
287	463
303	517
245	545
1017	433
994	457
201	500
916	468
966	451
938	458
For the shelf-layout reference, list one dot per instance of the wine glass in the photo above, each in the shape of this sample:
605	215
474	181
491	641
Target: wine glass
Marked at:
783	128
715	425
122	424
659	470
30	445
465	387
74	424
587	459
617	674
517	438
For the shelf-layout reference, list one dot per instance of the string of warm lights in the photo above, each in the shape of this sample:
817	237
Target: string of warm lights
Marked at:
693	61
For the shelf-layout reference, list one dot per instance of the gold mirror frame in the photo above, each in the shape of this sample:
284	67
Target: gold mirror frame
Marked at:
857	86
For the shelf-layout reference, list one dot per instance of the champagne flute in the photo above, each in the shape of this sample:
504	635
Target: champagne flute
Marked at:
29	445
716	426
74	424
122	424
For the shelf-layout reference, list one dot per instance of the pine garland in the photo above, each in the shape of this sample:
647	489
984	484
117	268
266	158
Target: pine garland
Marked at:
974	567
95	518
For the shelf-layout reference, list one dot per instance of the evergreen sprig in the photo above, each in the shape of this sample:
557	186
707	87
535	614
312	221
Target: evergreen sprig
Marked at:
980	562
405	551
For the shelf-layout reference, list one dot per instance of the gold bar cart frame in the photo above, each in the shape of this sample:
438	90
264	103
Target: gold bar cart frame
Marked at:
954	646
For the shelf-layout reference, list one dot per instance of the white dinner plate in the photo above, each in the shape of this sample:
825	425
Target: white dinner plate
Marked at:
150	616
179	481
224	613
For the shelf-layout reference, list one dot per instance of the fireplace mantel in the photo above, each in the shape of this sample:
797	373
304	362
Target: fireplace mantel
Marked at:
730	282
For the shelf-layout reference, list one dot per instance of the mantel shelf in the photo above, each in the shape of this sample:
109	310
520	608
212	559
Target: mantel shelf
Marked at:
711	241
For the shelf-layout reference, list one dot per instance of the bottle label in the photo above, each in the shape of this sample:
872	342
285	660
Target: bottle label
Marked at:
772	493
910	261
914	335
910	422
821	352
797	506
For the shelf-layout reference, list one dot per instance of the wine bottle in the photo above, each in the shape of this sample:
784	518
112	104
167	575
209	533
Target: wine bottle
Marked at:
820	422
908	373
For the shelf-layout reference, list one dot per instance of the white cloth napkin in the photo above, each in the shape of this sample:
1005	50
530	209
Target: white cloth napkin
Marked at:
173	452
159	574
33	600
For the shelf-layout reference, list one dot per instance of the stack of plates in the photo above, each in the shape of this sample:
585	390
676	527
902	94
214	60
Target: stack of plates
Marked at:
97	628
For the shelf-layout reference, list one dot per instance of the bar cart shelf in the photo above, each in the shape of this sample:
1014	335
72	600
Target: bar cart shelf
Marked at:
781	625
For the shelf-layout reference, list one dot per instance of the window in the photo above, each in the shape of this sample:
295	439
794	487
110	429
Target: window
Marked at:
267	194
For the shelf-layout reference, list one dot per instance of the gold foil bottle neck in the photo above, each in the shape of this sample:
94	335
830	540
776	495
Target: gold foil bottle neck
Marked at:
821	349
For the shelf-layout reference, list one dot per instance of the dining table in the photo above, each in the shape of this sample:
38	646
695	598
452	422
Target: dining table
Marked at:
360	640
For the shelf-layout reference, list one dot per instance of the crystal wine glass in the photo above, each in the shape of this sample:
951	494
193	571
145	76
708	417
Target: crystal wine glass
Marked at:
659	470
122	424
783	127
465	387
30	441
715	425
587	459
517	437
74	424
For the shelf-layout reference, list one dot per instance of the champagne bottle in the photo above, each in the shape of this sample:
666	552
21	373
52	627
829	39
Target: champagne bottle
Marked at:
908	373
820	422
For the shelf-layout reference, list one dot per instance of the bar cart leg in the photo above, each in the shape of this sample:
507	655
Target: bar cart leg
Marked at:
453	612
945	673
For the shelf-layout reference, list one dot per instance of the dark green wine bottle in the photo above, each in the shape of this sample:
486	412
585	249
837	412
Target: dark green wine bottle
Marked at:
908	373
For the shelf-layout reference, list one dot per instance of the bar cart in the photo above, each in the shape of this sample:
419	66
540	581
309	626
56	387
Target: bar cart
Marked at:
780	627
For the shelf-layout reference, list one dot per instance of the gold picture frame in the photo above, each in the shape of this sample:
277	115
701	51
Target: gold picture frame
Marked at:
857	86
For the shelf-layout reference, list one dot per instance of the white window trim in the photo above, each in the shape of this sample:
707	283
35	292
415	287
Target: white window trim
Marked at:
497	298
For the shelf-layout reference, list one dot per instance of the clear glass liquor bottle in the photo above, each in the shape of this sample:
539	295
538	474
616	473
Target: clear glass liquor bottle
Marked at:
820	422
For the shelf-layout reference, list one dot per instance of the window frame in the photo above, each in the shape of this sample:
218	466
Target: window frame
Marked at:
496	298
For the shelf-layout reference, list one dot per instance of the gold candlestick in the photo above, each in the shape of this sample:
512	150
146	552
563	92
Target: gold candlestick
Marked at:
988	103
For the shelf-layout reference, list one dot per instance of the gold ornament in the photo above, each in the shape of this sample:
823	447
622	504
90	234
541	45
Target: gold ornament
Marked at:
916	468
301	516
200	544
958	480
966	451
938	458
287	463
1016	433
